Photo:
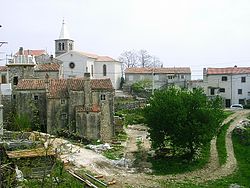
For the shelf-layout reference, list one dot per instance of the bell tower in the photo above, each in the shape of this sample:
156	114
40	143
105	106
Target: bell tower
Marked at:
64	43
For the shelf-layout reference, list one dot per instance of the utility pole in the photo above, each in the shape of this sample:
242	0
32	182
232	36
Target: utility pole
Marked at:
153	78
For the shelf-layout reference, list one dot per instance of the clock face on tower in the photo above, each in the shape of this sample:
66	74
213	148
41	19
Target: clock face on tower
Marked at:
72	65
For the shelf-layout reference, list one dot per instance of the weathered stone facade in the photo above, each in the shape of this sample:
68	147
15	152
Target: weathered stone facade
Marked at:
81	106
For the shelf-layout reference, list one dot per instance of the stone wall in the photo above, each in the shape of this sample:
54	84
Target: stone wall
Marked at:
32	104
56	120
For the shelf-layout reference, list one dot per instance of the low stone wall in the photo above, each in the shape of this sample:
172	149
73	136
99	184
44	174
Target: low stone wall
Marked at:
131	105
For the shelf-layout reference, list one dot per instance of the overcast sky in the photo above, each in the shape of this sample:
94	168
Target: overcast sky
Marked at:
194	33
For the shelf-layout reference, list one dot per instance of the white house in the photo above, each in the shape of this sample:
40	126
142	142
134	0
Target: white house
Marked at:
161	77
76	63
231	83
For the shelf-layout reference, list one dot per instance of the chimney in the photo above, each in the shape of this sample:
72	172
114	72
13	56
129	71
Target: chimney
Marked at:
47	82
21	51
51	58
87	90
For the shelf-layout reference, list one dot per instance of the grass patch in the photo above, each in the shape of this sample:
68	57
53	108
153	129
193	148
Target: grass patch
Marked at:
132	116
227	113
58	178
241	143
115	153
221	143
174	165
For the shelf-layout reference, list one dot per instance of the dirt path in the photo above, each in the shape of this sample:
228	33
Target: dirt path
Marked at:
211	171
98	164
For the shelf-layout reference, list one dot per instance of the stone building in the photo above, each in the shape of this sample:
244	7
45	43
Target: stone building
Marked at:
82	106
160	77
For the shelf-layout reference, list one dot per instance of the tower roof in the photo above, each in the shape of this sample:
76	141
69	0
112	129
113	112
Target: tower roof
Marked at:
64	34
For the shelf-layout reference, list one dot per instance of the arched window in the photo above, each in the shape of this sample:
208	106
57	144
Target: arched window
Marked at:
59	46
62	46
104	70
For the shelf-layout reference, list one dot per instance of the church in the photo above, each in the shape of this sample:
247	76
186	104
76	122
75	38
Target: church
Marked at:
76	63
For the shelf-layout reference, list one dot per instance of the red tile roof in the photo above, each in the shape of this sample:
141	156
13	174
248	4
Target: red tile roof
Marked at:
31	84
149	70
229	70
97	57
32	52
105	59
3	68
100	84
88	54
48	67
60	87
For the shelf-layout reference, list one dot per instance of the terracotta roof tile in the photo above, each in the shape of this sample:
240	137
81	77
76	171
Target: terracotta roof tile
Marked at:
59	87
149	70
98	84
96	57
30	84
88	54
229	70
32	52
105	59
48	67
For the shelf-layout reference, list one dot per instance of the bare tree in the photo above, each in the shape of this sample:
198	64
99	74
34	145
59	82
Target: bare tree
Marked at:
156	62
139	58
129	59
145	58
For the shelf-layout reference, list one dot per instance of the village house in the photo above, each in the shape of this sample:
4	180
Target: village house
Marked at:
76	63
82	106
160	77
231	83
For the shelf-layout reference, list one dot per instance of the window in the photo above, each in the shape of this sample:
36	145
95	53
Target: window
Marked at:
222	90
239	91
243	79
62	46
15	80
4	80
224	78
104	70
92	70
63	116
14	97
63	101
103	97
72	65
182	76
212	91
36	97
59	46
170	77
